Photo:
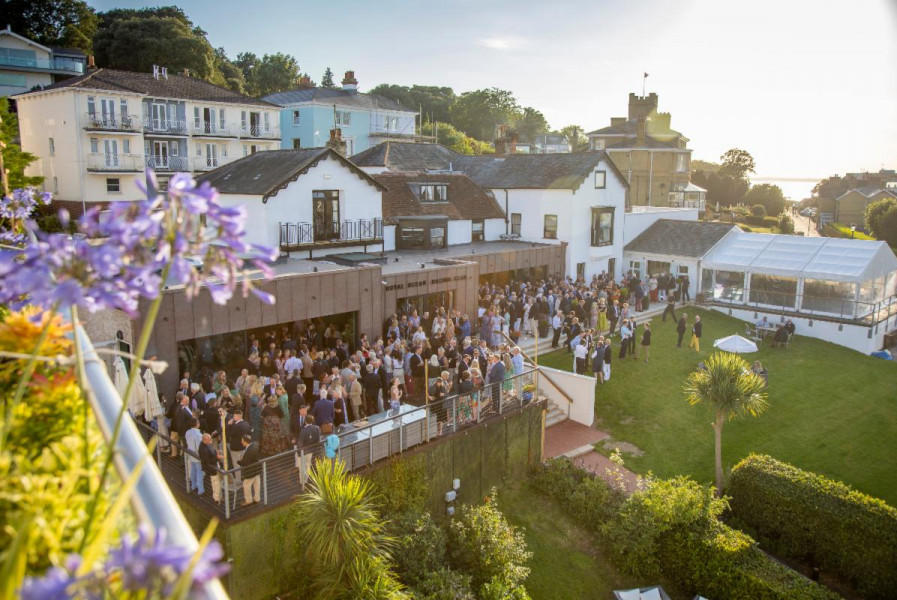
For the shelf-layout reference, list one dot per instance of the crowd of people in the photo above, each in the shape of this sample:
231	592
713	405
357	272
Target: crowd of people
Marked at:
303	383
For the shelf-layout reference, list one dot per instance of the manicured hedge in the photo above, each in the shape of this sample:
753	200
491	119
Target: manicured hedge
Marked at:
703	556
812	518
761	221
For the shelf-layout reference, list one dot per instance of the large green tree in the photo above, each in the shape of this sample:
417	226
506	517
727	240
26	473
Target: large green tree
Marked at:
834	186
231	76
135	40
69	23
724	190
529	124
576	137
433	101
14	159
477	113
737	163
268	74
875	217
768	195
456	140
730	389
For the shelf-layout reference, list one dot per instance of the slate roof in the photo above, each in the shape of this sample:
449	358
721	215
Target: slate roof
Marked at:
650	142
868	191
266	173
466	200
630	128
176	86
679	238
517	171
339	97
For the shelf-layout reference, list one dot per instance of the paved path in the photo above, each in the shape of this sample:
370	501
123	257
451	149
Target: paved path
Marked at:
805	226
576	441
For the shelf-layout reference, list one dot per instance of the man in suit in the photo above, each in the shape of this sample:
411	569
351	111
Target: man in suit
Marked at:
236	429
608	355
309	438
371	385
670	308
680	329
209	457
249	464
613	315
696	331
417	372
323	410
557	325
181	423
496	376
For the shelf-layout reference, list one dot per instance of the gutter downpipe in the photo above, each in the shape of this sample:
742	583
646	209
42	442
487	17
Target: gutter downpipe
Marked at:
151	498
507	215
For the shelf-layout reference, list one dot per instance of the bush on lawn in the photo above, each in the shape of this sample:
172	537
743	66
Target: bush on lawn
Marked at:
785	223
672	527
484	545
812	518
758	210
419	546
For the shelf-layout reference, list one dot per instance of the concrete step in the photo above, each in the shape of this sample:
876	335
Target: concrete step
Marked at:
555	417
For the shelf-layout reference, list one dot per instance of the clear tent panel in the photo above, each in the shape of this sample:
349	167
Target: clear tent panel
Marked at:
833	297
728	286
773	290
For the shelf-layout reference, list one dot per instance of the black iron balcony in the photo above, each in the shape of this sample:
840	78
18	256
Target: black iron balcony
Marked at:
296	236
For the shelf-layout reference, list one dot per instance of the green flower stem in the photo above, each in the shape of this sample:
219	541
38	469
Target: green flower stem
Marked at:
142	343
82	378
26	376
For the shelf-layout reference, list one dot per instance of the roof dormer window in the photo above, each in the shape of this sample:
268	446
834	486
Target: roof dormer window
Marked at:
433	192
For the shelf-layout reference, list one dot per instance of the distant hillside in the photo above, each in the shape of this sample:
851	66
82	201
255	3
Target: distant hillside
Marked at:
703	165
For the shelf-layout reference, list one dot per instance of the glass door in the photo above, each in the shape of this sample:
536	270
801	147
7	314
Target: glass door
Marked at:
160	117
111	150
107	109
212	155
325	211
160	155
209	120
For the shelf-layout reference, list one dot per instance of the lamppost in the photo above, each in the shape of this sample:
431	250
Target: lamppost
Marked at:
853	229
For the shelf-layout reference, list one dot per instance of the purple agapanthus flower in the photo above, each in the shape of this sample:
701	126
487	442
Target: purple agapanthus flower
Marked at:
142	563
22	203
120	254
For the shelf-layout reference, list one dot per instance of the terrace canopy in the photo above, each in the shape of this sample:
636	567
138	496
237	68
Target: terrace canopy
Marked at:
837	276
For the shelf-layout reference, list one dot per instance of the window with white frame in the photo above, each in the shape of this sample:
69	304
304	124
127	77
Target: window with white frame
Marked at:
113	185
477	230
94	145
297	143
602	226
221	119
600	179
343	117
433	192
551	227
681	162
267	122
126	146
516	219
245	150
91	106
52	147
295	117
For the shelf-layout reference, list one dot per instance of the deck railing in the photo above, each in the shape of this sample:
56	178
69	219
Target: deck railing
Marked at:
361	444
295	235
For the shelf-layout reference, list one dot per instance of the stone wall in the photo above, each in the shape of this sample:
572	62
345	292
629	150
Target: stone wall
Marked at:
102	328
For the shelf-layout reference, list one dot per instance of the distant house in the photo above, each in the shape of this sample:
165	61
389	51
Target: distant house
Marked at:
25	64
653	157
309	113
551	143
850	207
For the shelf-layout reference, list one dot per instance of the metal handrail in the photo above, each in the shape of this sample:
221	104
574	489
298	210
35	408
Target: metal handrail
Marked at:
151	499
362	446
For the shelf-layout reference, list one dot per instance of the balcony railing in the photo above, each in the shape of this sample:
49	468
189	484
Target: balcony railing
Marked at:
165	126
119	163
362	443
261	132
201	163
100	122
167	163
41	63
298	235
211	128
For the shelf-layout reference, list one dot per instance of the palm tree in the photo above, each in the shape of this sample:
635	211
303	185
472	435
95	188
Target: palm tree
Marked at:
731	390
343	535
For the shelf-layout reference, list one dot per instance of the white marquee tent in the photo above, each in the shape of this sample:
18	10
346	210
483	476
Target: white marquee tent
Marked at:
847	277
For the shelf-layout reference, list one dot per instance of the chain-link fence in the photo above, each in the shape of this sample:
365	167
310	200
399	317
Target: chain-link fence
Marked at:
275	479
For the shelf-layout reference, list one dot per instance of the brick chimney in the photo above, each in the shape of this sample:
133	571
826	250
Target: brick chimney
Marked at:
91	63
350	84
640	132
505	140
305	83
617	121
336	142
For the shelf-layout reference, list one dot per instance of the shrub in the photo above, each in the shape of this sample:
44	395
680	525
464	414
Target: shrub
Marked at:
485	546
758	210
419	546
499	590
444	584
785	223
810	517
746	228
875	212
589	499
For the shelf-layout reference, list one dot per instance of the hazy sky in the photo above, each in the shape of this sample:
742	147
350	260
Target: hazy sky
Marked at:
809	88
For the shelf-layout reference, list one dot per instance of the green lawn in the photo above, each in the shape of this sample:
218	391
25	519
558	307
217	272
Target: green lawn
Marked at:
566	564
832	410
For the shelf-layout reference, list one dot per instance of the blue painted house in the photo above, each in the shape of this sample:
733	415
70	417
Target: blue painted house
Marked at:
365	120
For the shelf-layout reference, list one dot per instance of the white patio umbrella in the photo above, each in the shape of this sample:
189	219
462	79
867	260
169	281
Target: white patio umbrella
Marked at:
736	344
120	376
154	408
137	402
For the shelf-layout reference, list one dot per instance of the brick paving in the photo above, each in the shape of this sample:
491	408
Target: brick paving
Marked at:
570	435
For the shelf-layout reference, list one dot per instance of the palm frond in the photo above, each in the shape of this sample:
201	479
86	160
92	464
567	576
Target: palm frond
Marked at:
728	387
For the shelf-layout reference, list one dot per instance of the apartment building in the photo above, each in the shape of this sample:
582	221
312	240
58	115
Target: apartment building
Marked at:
652	156
96	134
365	120
26	65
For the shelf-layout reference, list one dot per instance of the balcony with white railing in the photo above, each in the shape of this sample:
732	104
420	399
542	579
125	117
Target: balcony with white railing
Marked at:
167	163
164	127
114	163
117	123
211	129
207	163
260	132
